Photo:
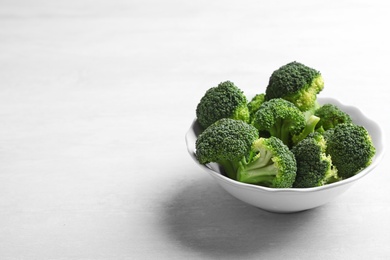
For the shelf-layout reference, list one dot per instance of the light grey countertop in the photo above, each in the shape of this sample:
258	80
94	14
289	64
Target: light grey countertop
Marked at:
95	100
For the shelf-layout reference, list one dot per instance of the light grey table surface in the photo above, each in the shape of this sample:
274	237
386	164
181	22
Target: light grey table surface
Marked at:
95	99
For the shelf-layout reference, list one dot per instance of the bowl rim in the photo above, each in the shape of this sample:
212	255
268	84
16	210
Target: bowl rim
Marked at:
191	136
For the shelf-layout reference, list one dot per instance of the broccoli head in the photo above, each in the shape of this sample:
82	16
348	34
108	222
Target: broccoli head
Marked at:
330	115
269	163
296	83
281	118
314	166
225	142
350	147
224	101
254	104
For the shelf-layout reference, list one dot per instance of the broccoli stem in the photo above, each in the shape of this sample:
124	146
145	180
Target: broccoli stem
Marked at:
281	130
309	128
262	175
259	170
285	135
230	168
275	129
259	159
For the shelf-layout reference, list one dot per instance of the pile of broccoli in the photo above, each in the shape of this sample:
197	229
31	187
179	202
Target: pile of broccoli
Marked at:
282	138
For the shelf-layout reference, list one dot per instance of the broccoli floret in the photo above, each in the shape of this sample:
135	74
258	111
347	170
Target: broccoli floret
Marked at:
296	83
327	134
270	163
225	142
314	166
350	147
254	104
224	101
280	118
330	115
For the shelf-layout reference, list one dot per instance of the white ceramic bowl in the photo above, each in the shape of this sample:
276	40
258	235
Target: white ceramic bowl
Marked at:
292	199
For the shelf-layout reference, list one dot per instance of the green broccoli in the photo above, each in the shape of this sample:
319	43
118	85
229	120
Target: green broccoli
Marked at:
225	142
254	104
330	115
224	101
280	118
270	163
310	127
350	147
296	83
314	166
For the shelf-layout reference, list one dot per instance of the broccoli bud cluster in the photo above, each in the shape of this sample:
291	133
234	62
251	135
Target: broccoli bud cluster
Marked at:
282	138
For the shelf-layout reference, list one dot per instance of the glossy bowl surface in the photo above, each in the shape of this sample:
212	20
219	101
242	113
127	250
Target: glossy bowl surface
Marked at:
292	199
